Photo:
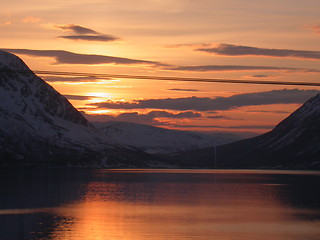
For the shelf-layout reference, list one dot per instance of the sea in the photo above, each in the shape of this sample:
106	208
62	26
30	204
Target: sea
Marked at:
159	204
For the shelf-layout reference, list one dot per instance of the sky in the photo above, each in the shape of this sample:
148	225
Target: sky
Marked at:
231	39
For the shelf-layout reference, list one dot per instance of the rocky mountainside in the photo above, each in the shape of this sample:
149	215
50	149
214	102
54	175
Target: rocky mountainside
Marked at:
38	126
155	140
292	144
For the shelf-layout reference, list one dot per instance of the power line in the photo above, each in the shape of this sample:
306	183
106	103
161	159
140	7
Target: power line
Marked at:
167	78
185	79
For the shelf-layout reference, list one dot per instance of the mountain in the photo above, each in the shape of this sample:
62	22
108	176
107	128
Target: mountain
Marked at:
155	140
293	144
39	127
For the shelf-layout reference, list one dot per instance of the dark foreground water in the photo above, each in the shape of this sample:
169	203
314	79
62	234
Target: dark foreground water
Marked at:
77	204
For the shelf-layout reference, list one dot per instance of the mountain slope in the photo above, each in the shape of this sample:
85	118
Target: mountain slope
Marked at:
38	126
292	144
155	140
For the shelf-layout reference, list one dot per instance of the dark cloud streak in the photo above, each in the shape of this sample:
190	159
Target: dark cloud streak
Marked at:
260	76
266	111
238	50
218	117
73	79
148	118
183	90
222	68
284	96
65	57
100	38
76	29
78	97
267	127
86	34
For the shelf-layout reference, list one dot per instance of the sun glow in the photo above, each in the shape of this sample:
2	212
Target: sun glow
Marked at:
99	94
97	97
99	111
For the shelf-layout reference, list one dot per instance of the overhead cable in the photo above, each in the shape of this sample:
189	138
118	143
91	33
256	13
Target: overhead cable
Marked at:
168	78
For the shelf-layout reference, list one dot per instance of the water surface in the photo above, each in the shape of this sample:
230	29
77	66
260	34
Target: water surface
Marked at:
80	204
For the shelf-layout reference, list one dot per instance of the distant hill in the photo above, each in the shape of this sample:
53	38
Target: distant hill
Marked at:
39	127
155	140
293	144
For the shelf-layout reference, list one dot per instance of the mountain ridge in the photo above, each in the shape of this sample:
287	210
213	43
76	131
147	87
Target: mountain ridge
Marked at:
293	144
38	126
156	140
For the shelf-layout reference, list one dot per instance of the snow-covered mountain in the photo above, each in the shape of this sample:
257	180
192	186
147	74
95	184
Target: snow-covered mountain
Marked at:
38	126
293	144
155	140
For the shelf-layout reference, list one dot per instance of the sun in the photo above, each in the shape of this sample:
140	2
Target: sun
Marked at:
97	97
99	94
99	111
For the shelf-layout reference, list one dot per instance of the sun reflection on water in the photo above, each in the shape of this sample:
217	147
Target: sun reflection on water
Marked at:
163	208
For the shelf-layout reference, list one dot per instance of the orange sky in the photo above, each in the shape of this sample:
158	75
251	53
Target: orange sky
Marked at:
237	39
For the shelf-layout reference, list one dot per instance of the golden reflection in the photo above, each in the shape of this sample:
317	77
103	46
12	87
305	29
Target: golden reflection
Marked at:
154	208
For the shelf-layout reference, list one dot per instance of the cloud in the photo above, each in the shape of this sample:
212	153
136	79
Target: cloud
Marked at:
238	50
192	45
267	111
165	114
278	74
76	29
148	118
74	79
85	34
65	57
285	96
222	68
267	127
251	127
218	117
99	38
260	76
79	97
183	90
